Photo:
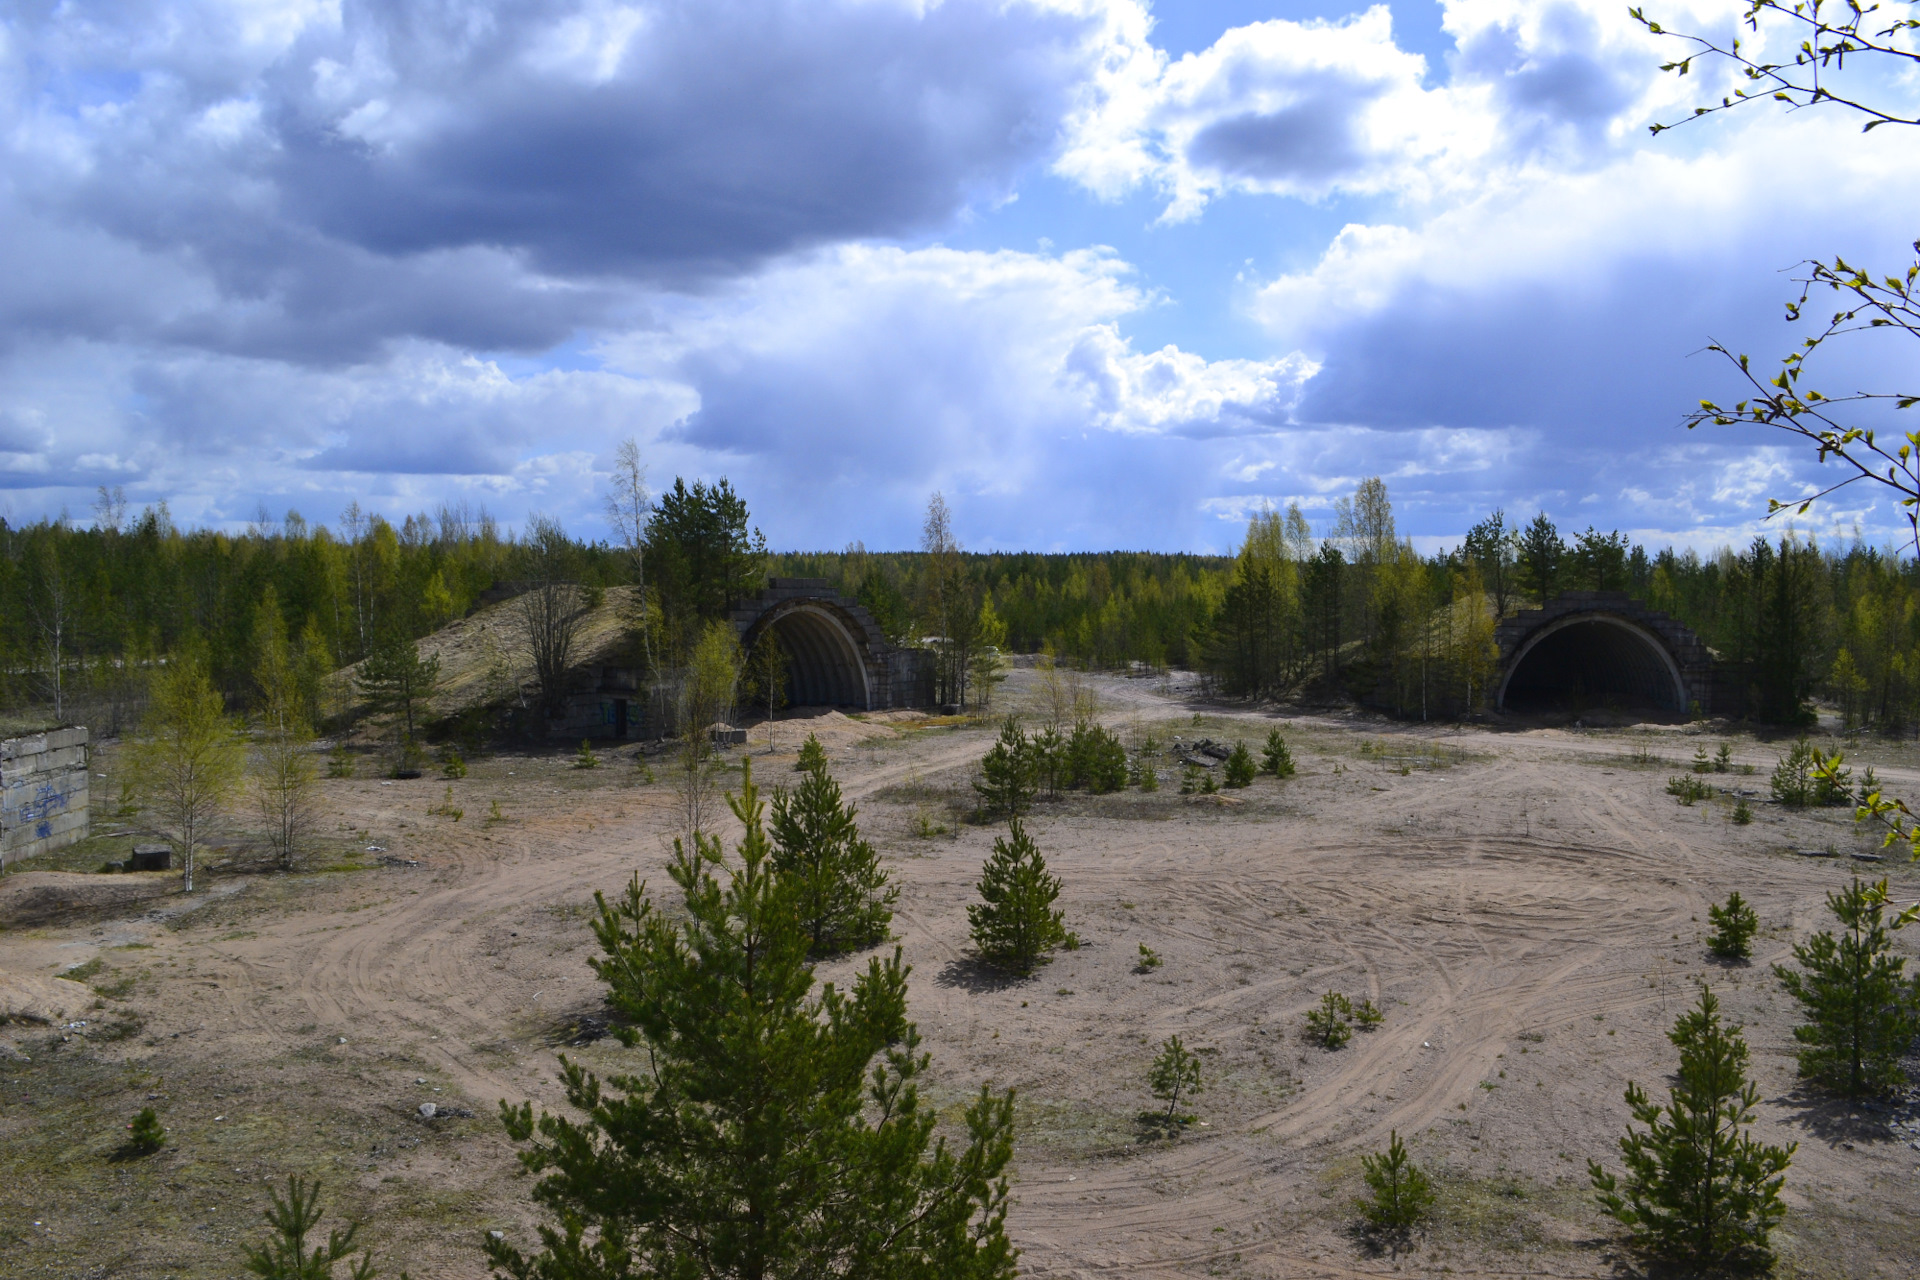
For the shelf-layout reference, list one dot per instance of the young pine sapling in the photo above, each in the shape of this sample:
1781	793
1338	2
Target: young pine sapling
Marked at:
1863	1012
1015	924
1402	1195
1276	759
1175	1072
145	1134
1698	1188
285	1255
1329	1024
1734	925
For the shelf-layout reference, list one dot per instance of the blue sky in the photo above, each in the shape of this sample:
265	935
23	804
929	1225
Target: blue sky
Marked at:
1105	275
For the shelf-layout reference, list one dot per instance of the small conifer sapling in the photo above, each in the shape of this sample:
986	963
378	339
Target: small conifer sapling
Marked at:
1240	770
1149	960
812	755
839	887
145	1134
285	1255
1015	924
1862	1011
1175	1074
1008	772
1329	1023
1276	759
1367	1015
1698	1188
1402	1194
1734	924
585	759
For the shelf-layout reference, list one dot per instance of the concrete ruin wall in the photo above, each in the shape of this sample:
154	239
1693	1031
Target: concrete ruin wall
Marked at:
43	793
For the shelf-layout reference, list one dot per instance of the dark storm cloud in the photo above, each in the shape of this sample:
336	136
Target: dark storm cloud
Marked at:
722	134
496	176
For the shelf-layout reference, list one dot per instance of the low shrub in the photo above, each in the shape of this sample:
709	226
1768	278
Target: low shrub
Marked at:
1688	788
1329	1024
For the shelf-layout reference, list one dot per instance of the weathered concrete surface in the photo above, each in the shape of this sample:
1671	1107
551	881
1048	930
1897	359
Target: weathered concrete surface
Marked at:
44	794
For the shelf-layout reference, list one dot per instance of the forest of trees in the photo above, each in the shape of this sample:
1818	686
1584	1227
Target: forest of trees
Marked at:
1348	610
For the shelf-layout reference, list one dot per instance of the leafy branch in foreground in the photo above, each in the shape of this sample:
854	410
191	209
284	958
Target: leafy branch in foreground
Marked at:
1782	403
1890	812
1832	31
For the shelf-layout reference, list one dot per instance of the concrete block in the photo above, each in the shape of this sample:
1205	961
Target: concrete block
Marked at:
152	857
31	745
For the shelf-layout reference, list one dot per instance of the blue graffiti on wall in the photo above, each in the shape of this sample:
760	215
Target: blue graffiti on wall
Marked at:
47	800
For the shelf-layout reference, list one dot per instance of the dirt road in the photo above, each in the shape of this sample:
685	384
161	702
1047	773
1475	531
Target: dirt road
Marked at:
1527	909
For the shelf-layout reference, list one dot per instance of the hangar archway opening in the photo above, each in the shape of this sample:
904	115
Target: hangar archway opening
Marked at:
824	668
1593	662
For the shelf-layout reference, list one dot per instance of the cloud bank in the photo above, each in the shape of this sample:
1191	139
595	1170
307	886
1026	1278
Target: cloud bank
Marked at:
305	253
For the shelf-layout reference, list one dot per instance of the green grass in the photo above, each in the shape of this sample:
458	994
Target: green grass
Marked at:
186	1210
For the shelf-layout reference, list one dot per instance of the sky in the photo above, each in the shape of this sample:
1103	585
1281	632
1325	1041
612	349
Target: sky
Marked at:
1105	273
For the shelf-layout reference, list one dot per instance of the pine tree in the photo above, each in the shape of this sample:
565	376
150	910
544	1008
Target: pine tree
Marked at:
396	681
1698	1188
1734	925
839	889
1006	782
1175	1072
812	755
769	1130
1015	924
1239	770
1330	1022
145	1134
1402	1195
1863	1011
1276	759
285	1255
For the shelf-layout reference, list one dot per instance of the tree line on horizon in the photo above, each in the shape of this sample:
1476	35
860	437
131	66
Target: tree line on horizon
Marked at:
1349	610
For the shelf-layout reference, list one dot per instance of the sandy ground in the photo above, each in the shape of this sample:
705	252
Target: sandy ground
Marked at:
1527	907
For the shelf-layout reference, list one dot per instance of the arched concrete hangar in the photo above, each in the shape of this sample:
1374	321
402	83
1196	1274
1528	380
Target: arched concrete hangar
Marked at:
1601	648
837	655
